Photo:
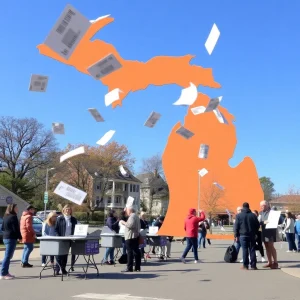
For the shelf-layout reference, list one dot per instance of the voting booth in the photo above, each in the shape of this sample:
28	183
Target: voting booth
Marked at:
110	238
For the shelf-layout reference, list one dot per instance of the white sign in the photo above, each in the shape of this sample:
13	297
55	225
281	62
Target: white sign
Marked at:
202	172
185	132
77	151
104	66
106	138
198	110
81	230
67	32
188	95
58	128
70	193
152	120
112	96
96	115
38	83
130	201
153	229
122	170
273	219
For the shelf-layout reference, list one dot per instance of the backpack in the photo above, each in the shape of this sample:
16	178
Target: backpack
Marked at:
231	254
123	259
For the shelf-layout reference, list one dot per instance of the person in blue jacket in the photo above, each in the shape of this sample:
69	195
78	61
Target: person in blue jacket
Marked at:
297	231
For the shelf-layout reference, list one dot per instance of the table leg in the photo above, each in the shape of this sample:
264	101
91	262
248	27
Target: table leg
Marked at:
72	264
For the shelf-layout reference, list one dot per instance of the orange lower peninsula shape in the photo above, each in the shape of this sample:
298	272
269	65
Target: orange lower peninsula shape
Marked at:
180	159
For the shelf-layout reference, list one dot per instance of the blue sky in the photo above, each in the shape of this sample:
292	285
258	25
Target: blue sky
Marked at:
256	60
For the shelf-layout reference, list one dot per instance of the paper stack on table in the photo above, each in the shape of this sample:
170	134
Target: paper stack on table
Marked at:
106	138
67	32
77	151
152	120
104	66
58	128
112	96
96	115
38	83
188	95
185	132
212	39
70	193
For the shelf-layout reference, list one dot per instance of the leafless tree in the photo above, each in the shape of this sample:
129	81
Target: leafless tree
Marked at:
25	147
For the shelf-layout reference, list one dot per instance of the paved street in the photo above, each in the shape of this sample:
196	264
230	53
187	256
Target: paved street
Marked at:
212	279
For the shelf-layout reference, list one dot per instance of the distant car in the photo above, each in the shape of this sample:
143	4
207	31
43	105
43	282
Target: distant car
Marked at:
41	214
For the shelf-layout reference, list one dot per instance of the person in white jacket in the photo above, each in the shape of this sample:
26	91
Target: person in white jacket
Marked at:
289	230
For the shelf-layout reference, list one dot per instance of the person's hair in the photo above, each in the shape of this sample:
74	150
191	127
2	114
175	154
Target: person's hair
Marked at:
143	213
111	213
256	212
10	210
65	207
289	215
49	218
246	205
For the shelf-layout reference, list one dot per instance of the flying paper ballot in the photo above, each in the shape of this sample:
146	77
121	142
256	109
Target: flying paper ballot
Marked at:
152	120
198	110
67	32
94	112
130	202
122	170
219	186
220	116
38	83
188	95
202	172
185	132
58	128
104	66
212	39
77	151
70	193
203	152
112	96
106	138
100	18
213	104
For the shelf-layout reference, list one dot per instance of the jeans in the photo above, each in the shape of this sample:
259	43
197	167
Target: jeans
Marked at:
109	252
10	246
124	252
133	250
191	242
248	244
28	247
237	246
44	259
291	241
201	236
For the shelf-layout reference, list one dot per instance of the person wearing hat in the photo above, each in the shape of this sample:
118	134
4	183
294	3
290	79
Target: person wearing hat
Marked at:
191	229
131	235
28	235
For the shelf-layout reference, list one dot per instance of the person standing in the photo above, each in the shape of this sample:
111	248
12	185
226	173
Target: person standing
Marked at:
49	230
259	244
132	233
28	235
144	226
191	229
11	234
268	236
297	231
65	226
203	227
289	230
246	230
112	223
237	243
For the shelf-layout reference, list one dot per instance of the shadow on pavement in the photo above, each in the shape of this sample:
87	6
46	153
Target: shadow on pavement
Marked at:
182	271
126	276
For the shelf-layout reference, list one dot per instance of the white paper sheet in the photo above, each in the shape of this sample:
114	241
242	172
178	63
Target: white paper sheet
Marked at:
106	137
130	202
77	151
58	128
273	219
198	110
67	32
70	193
153	229
219	186
38	83
81	230
96	115
188	95
98	19
213	104
220	116
202	172
185	132
122	170
104	66
112	96
212	39
152	120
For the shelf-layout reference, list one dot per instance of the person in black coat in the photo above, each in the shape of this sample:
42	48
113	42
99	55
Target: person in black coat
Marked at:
112	223
11	234
65	226
144	226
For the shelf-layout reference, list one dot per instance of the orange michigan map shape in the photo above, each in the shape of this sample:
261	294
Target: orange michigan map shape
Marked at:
180	158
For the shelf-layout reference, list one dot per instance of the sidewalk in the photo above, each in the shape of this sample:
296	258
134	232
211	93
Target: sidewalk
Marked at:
18	254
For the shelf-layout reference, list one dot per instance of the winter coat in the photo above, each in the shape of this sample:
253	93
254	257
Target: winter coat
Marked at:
113	224
246	224
11	228
26	227
60	226
191	225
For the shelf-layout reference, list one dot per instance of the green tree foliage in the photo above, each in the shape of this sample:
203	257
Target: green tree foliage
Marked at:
267	186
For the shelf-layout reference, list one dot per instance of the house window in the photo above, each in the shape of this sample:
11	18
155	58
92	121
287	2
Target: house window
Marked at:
137	188
133	188
130	188
109	185
97	198
98	187
109	200
125	187
118	199
118	186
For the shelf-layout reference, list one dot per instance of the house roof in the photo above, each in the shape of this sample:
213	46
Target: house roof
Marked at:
288	199
146	178
13	195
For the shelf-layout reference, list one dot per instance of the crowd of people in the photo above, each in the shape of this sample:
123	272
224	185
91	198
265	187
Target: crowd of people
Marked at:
250	232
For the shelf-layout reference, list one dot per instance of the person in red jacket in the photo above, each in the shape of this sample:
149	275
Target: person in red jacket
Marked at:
191	229
28	235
